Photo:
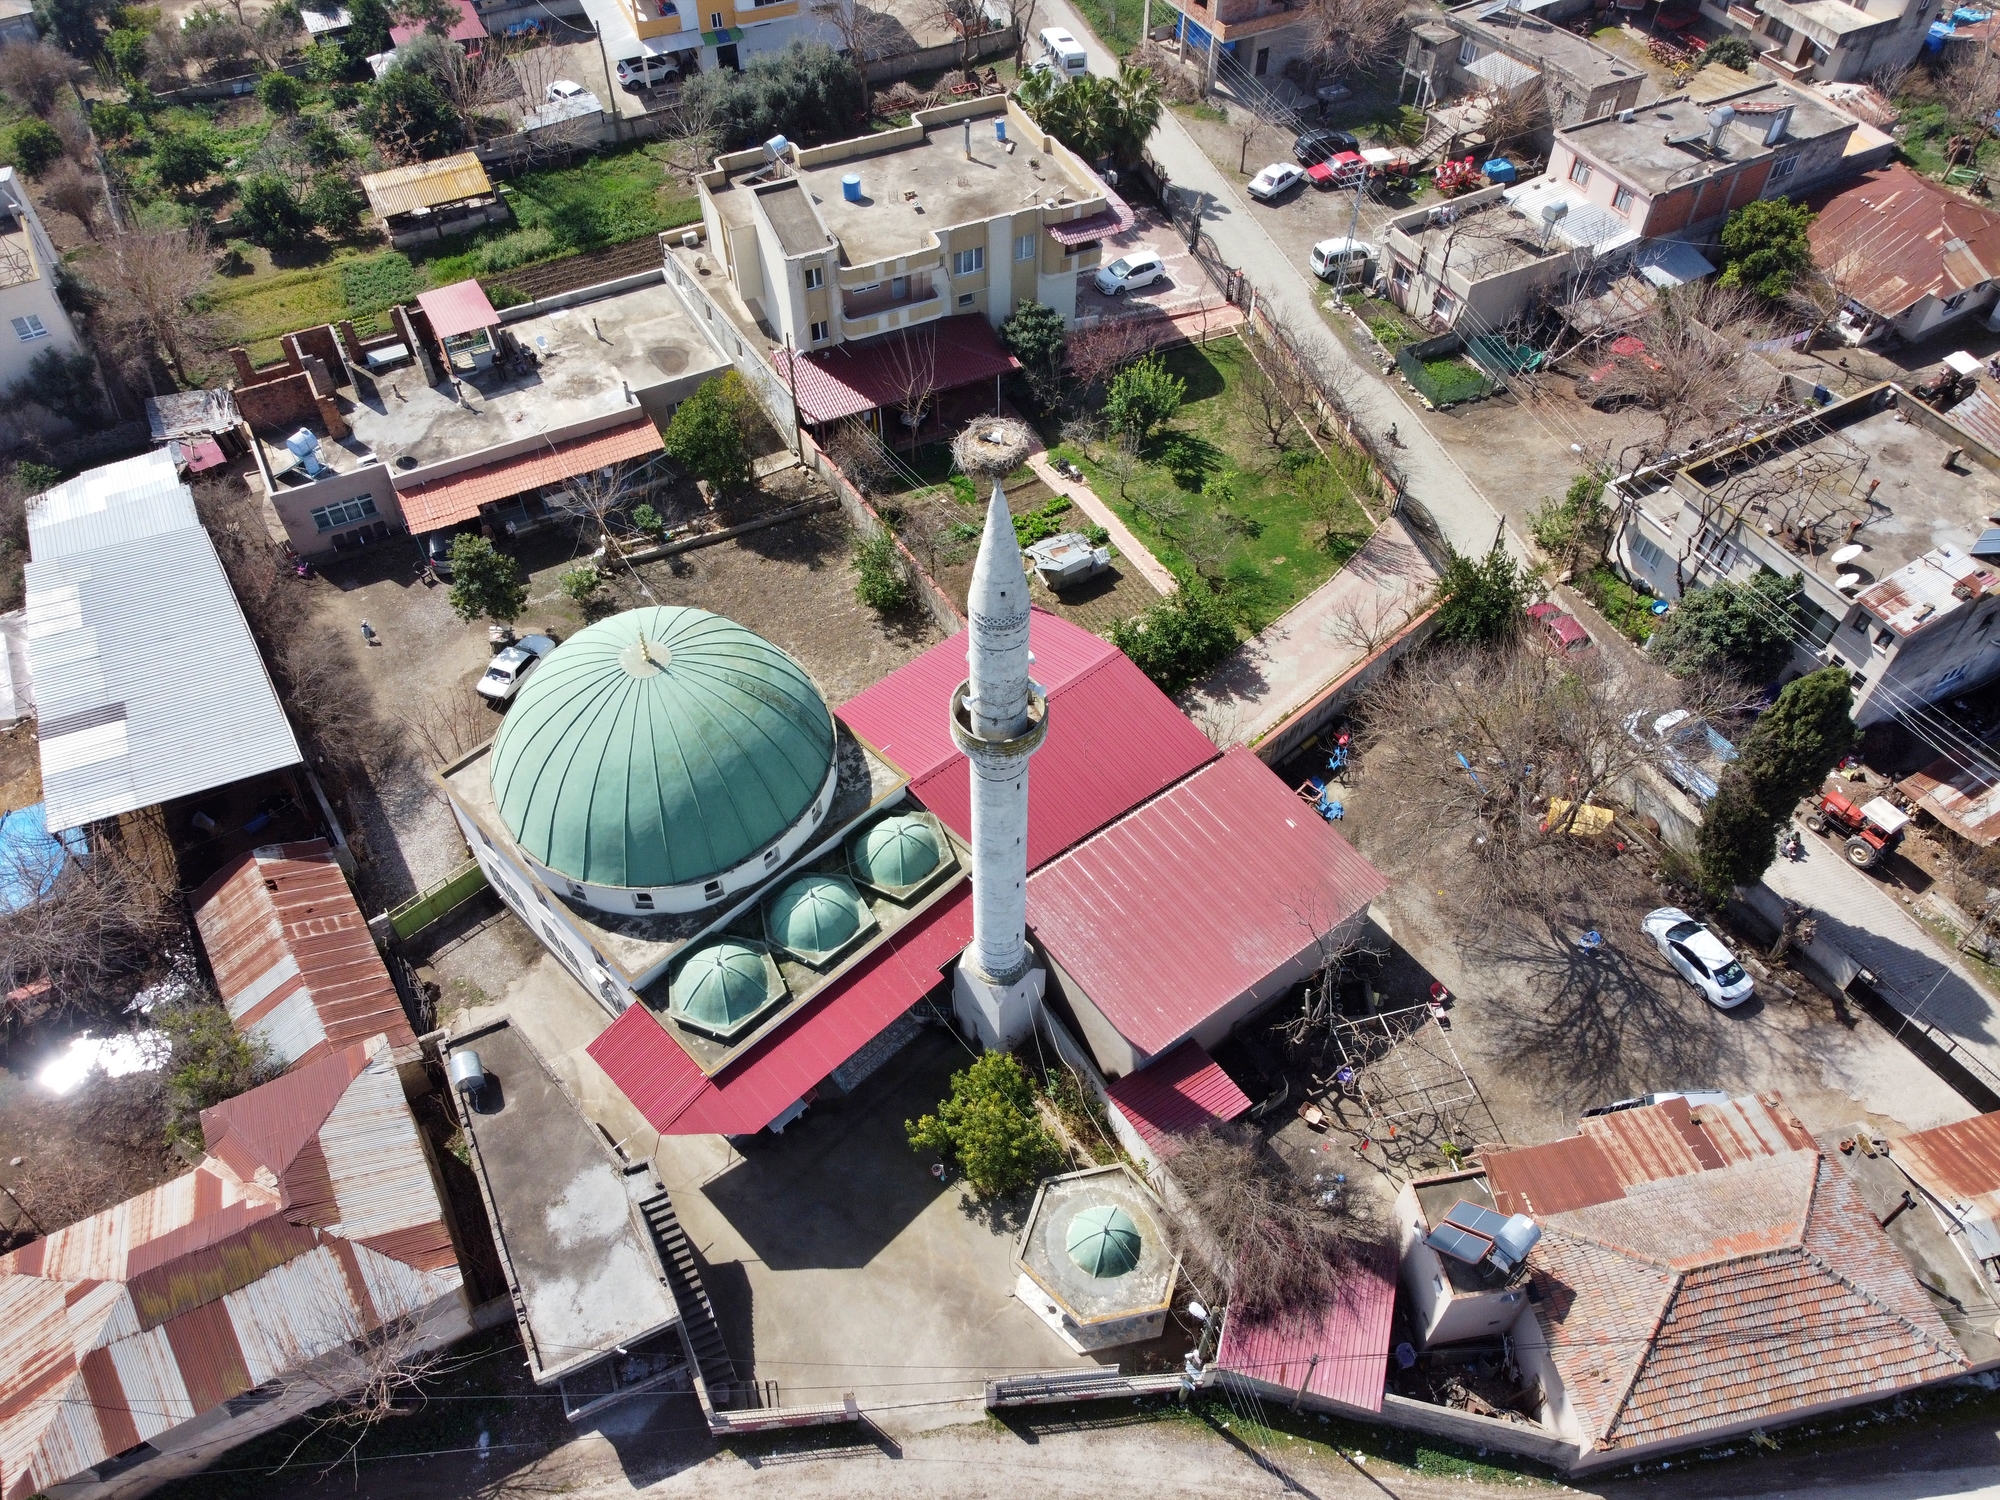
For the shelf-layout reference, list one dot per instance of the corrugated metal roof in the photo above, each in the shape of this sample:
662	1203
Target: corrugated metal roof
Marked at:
666	1086
1178	1094
283	934
1958	1163
190	414
467	28
1891	238
1341	1354
152	1313
459	308
428	184
140	652
860	376
1174	913
441	502
1963	798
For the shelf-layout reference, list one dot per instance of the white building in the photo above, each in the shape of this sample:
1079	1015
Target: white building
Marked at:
31	317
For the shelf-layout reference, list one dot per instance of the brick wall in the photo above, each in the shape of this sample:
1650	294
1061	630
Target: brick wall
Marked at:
278	403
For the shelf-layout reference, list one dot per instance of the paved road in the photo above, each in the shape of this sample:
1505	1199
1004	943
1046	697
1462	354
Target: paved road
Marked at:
1432	477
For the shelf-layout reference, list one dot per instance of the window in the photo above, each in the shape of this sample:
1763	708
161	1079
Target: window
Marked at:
771	857
1579	172
1784	166
965	299
1468	52
1717	551
1622	199
819	333
1263	61
643	901
815	278
329	516
576	891
1600	109
711	891
1401	275
967	261
1024	247
1648	551
30	328
715	20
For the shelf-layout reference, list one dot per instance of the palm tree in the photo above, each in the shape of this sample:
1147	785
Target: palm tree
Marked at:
1134	101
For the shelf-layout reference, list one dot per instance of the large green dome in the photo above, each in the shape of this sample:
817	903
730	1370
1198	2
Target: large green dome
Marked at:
721	985
1103	1241
898	851
660	747
814	915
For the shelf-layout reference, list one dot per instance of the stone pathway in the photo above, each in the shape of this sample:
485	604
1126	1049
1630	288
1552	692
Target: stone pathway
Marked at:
1085	499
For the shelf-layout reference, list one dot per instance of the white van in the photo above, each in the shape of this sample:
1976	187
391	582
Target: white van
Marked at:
1063	52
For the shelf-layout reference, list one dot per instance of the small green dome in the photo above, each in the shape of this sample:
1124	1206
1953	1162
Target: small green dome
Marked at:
897	851
721	985
660	747
1103	1241
814	914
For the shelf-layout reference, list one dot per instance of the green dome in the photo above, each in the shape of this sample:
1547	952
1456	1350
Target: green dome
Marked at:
1103	1241
660	747
721	985
814	914
897	851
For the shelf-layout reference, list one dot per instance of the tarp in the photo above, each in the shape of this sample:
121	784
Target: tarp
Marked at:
31	857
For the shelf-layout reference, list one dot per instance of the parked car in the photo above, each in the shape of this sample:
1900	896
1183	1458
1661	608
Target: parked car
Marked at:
437	550
1319	143
507	671
1276	180
1700	956
646	72
1696	1098
1692	752
1597	389
1561	631
1328	256
1140	268
564	88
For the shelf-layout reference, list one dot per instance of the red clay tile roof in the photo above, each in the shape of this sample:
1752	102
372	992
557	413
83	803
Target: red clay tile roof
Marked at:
1892	237
860	376
457	497
1178	1094
1114	218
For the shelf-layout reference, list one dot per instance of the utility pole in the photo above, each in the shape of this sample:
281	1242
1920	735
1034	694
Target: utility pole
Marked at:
792	374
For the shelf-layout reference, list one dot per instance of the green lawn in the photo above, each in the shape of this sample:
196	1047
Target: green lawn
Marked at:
1928	130
1116	22
1284	523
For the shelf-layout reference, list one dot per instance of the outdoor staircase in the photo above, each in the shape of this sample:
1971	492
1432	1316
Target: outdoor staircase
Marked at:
698	1326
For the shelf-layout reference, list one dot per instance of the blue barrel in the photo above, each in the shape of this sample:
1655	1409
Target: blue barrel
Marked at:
850	188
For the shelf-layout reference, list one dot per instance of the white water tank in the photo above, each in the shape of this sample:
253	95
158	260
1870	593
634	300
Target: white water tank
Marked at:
467	1073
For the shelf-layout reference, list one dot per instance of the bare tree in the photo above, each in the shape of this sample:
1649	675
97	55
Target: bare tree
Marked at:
1969	88
1353	36
1518	117
478	83
35	75
1100	350
449	725
859	454
1022	14
273	34
912	364
593	495
693	133
1689	377
1271	398
150	280
865	35
66	189
103	910
1373	623
1246	123
1121	466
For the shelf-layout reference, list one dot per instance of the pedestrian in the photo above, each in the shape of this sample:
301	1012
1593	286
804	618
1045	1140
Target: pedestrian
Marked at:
367	632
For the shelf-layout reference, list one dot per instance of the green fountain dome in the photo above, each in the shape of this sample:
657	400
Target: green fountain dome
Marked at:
814	915
1103	1241
722	985
660	747
898	851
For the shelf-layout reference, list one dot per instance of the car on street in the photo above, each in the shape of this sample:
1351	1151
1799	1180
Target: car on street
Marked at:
1276	180
1699	956
507	671
1129	272
564	88
1329	256
1692	753
1317	144
1696	1099
1561	631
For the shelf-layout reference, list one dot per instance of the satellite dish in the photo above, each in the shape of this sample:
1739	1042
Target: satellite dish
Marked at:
1844	555
1847	582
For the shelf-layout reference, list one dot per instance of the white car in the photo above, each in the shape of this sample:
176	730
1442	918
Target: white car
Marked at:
1276	180
507	671
1700	957
563	89
1140	268
1329	256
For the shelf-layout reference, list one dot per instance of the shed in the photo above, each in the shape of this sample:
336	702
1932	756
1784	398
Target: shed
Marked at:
422	202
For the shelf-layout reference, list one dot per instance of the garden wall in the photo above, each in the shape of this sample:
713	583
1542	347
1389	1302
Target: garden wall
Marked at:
1332	700
1002	43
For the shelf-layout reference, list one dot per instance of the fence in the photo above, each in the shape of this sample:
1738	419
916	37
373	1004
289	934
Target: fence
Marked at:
430	906
1435	369
953	54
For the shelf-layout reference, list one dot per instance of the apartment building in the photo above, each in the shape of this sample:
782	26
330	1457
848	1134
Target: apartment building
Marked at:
1828	41
1505	48
31	317
650	42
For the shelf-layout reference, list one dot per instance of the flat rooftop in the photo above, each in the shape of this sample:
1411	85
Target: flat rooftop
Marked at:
1638	151
1486	239
790	210
590	355
586	1276
1875	461
1546	44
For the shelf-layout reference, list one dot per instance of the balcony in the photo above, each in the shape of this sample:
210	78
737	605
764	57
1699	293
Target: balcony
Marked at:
880	315
1798	72
1746	16
899	292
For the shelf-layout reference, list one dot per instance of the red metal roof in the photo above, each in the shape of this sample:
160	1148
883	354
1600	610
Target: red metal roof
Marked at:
1114	739
468	28
1959	1162
1892	237
1177	1095
858	377
1206	891
458	497
1340	1355
651	1070
1114	218
459	308
292	954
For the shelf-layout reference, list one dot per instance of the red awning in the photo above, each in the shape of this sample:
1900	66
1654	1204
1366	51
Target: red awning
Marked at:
1178	1094
459	308
1114	218
651	1070
858	377
458	497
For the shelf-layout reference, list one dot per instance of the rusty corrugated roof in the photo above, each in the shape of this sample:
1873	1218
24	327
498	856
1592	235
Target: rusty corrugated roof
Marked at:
124	1326
428	184
1891	238
1956	1163
292	954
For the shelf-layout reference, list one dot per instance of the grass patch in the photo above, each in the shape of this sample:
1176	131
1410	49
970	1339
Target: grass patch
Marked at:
263	307
1208	112
378	282
1629	611
1928	130
1116	22
1290	521
605	200
1453	379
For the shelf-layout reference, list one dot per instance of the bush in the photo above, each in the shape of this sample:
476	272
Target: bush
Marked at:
579	584
1575	529
115	122
1179	640
336	203
648	520
208	1061
1737	627
271	213
1730	52
881	583
1481	600
182	158
1764	247
36	146
989	1127
280	93
1629	611
485	582
806	93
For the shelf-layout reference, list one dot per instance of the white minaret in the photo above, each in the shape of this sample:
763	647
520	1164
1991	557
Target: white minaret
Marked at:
998	718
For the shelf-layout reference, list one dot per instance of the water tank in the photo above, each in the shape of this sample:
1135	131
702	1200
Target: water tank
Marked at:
303	443
999	130
1513	1241
467	1072
776	147
850	187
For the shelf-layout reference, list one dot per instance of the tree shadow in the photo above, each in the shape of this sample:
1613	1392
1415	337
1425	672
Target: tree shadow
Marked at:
1188	458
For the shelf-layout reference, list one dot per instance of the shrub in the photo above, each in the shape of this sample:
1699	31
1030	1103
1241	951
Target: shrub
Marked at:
182	158
1096	535
1178	640
64	382
208	1061
579	584
1730	52
880	581
807	93
271	213
1629	610
336	203
115	122
1481	600
989	1126
1575	529
1142	397
1740	627
34	478
648	520
1764	247
36	146
280	93
485	582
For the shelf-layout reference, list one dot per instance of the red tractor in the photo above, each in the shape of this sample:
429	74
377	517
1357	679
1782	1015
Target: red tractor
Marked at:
1871	829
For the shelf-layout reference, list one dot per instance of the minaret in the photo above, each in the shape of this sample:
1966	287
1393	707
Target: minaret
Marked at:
998	718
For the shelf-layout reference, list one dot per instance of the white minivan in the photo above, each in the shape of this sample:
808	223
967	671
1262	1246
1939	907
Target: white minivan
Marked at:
1063	52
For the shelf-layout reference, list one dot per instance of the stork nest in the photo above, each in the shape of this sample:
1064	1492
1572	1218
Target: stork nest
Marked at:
992	446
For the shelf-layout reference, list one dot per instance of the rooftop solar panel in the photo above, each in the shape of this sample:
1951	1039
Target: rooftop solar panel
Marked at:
1459	1244
1477	1218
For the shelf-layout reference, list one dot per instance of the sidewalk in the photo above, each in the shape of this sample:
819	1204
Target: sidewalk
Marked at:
1129	546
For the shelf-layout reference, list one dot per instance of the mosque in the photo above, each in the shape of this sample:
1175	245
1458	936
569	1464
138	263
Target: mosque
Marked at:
759	889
